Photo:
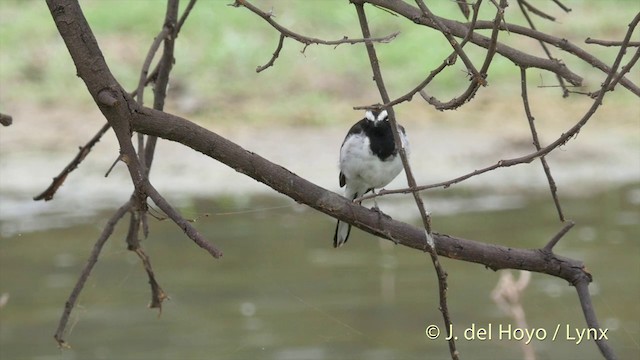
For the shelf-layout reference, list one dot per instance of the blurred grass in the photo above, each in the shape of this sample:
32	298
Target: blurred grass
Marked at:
220	47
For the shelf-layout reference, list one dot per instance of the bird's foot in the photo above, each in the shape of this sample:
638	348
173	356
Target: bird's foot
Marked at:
380	213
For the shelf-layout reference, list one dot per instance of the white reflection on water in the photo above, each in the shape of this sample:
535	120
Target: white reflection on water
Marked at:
307	353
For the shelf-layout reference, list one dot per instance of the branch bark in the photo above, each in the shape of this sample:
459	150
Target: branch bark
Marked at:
174	128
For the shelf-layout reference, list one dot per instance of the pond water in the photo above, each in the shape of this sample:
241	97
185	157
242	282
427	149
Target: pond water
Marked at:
282	292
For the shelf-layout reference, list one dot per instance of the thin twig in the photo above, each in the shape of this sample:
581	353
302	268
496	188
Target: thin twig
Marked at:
625	69
268	17
184	16
525	4
139	219
479	78
82	154
86	271
464	6
153	49
173	214
610	43
493	45
567	46
562	6
448	61
536	142
452	41
157	294
426	218
525	159
275	55
554	240
520	58
563	86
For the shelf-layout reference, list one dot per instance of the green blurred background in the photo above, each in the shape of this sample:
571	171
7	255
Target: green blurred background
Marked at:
281	291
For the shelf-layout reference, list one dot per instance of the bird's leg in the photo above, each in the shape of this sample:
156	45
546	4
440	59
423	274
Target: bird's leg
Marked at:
375	203
377	209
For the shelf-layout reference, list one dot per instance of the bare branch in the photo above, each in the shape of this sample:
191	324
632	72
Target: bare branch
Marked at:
525	4
495	257
460	30
582	287
565	91
268	17
562	6
449	60
86	271
554	240
452	41
184	16
185	225
464	8
174	128
82	154
610	43
274	57
569	47
543	151
536	143
117	108
153	49
157	294
426	219
478	80
518	57
625	69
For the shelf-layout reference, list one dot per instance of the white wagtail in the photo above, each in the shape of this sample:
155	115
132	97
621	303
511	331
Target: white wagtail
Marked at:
368	160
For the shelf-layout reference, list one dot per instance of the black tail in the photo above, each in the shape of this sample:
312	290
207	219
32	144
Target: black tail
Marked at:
341	235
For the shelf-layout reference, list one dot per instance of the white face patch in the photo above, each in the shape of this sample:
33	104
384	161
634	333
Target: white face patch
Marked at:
369	116
381	116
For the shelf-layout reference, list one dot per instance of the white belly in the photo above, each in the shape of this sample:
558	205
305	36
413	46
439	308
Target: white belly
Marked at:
363	169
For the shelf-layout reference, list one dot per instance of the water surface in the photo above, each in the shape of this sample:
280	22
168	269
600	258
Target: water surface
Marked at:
282	292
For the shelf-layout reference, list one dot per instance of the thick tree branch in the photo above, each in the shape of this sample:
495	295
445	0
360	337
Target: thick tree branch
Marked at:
92	68
174	128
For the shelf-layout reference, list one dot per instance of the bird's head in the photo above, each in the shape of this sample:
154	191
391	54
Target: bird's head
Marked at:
376	116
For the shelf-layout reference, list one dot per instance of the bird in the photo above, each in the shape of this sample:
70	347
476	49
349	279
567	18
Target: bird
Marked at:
369	160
